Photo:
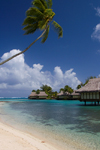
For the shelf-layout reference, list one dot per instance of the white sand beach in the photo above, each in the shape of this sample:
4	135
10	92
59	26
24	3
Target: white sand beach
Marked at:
12	139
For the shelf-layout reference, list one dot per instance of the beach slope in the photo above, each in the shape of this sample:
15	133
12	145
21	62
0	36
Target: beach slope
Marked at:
12	139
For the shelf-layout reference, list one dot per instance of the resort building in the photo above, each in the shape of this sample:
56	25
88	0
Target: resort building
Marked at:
63	95
75	96
41	95
91	91
33	95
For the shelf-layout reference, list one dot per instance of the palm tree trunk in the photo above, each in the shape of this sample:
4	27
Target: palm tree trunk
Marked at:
25	49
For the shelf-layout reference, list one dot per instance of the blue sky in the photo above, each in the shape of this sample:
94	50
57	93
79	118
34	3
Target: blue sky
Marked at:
57	62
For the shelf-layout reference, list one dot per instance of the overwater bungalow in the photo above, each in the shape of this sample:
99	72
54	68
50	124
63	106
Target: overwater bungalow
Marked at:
75	96
41	95
33	95
91	91
63	95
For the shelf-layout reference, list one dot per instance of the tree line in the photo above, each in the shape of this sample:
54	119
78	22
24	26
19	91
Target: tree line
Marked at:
53	94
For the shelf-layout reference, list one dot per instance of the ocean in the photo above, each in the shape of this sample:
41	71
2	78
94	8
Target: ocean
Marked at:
58	122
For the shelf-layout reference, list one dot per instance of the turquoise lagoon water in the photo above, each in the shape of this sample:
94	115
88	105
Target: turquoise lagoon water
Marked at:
58	122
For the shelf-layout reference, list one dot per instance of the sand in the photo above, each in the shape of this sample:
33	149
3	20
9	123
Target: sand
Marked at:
12	139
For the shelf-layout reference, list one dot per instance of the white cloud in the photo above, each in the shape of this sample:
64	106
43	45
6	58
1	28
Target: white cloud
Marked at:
98	11
37	66
19	79
96	33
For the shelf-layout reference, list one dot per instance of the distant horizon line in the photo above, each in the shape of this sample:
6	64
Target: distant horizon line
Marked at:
13	97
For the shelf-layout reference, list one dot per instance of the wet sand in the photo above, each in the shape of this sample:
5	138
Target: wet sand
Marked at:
12	139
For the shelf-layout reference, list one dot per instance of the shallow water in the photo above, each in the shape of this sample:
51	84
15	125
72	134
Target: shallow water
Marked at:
60	122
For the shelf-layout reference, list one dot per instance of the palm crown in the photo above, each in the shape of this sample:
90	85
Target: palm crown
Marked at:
39	17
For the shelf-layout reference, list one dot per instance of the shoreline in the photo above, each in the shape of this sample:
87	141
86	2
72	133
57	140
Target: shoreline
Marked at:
14	139
11	138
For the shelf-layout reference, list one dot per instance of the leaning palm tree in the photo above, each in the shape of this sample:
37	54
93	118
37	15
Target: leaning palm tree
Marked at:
39	17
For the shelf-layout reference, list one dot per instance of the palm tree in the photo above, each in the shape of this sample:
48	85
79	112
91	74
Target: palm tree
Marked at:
68	89
46	88
39	17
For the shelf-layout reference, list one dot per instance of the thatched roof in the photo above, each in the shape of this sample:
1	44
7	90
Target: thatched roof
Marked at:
33	94
42	93
92	86
63	93
74	93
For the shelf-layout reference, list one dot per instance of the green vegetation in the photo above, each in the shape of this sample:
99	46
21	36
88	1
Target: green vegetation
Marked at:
62	89
51	94
38	91
48	90
33	90
39	17
67	89
79	86
54	95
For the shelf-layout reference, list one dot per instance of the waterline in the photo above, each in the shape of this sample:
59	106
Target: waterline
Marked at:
60	122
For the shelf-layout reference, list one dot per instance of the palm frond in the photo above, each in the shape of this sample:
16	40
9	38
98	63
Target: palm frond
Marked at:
49	13
58	29
31	28
44	3
49	3
34	12
29	20
38	4
42	24
45	36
